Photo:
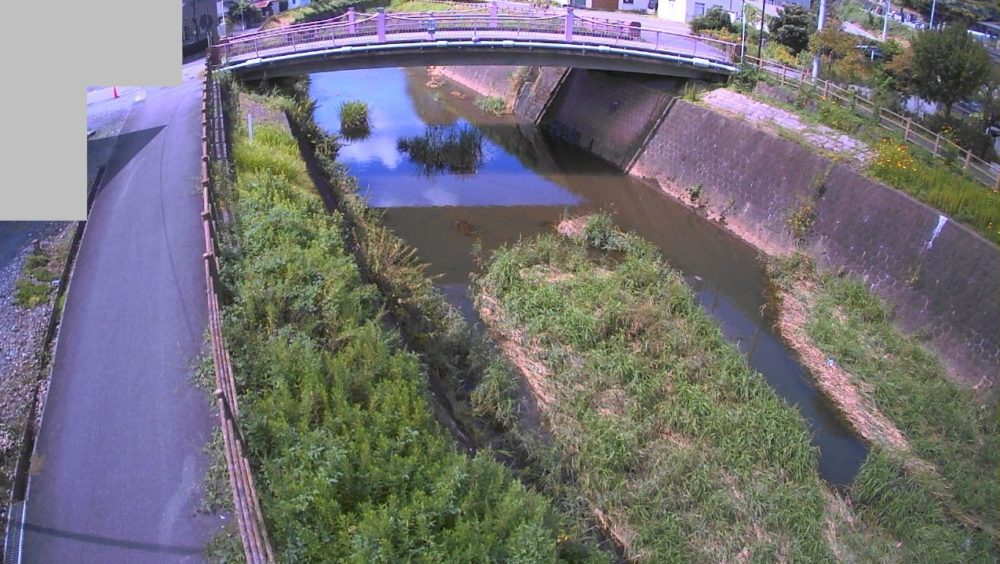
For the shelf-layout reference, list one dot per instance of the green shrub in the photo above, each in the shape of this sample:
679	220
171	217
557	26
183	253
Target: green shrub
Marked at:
745	79
715	18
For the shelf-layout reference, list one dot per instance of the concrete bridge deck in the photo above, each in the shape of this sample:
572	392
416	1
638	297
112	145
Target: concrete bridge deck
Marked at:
476	36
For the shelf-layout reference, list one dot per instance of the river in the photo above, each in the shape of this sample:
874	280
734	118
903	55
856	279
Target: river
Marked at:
518	182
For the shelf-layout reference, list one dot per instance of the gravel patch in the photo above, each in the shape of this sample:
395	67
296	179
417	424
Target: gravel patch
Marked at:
22	331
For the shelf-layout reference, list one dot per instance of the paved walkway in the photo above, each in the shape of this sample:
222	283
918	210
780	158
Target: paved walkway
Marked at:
120	457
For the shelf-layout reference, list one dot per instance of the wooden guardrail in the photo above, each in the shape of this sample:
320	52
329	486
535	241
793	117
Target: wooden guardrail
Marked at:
913	133
253	531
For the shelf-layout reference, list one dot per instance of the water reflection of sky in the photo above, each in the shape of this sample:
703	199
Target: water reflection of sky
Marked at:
389	179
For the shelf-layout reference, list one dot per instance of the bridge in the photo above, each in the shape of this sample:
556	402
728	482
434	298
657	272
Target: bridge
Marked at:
477	36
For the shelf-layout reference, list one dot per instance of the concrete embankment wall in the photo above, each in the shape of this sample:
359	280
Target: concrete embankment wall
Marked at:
488	81
944	282
604	114
942	278
528	91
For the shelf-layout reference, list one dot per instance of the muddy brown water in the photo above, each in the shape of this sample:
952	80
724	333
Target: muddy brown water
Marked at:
522	183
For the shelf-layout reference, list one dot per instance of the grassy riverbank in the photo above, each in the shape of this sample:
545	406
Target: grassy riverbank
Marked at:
936	488
349	459
680	450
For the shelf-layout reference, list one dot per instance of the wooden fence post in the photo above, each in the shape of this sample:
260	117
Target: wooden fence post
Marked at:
906	134
937	142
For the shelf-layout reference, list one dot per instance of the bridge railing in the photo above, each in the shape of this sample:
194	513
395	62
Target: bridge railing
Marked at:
492	23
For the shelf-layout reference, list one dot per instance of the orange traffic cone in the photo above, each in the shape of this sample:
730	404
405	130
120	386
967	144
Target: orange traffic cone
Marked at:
114	91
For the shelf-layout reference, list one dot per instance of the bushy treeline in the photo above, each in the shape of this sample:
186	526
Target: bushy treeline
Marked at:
350	463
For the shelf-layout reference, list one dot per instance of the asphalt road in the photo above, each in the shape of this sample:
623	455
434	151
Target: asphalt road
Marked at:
120	458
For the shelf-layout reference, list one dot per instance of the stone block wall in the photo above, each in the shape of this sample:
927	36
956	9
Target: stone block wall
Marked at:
489	81
943	278
608	115
756	180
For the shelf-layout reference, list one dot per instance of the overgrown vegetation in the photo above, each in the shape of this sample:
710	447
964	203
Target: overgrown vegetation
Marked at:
680	449
354	120
938	513
350	461
963	199
34	285
715	18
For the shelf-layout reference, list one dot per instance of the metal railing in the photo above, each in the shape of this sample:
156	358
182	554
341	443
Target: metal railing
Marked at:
913	133
253	532
488	23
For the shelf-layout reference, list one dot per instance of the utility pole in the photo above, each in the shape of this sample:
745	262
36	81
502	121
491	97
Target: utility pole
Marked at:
760	46
819	28
743	42
885	22
933	5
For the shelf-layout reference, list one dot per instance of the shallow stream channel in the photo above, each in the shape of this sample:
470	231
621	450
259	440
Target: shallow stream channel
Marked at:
454	181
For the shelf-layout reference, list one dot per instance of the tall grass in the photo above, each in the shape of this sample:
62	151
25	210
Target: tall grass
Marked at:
665	433
945	423
350	462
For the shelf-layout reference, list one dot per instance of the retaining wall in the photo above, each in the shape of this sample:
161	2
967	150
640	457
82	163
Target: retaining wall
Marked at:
486	80
605	114
528	91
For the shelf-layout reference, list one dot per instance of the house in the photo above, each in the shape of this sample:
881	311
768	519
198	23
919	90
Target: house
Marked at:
687	10
645	6
274	7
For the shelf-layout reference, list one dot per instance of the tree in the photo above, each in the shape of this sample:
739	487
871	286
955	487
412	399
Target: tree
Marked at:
948	66
714	18
792	28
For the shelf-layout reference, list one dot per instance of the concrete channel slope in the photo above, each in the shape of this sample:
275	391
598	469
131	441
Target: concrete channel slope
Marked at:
120	457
